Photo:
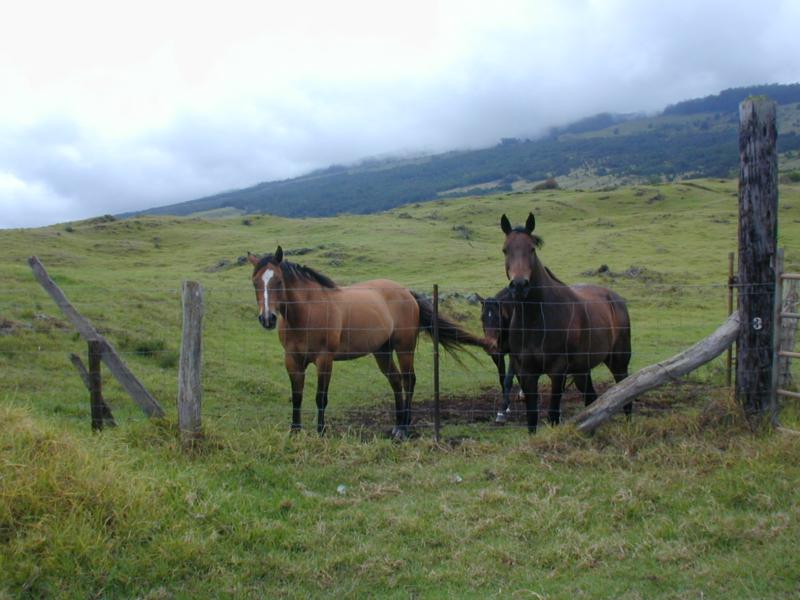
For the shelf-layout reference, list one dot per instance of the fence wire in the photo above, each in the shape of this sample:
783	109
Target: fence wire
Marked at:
246	381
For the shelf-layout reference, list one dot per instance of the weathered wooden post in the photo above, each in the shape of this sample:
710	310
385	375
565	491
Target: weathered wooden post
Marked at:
435	334
96	384
758	232
190	388
101	413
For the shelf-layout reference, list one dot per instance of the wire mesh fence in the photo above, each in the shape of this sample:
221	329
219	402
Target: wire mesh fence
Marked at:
245	378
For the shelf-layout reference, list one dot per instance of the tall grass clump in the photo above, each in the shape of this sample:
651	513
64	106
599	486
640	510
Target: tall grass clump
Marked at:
69	507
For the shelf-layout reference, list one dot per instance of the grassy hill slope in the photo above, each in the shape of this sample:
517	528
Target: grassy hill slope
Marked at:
691	139
684	500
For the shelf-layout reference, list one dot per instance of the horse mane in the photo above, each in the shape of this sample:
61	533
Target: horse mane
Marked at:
294	272
537	241
549	272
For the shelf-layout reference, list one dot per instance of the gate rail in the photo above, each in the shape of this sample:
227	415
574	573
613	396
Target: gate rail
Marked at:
780	315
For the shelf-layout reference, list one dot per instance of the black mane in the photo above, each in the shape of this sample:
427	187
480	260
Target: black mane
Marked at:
294	272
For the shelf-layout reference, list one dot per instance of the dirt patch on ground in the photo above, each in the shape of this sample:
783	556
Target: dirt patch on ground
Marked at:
483	407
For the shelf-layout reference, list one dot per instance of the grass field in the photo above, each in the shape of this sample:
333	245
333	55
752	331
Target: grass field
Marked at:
682	502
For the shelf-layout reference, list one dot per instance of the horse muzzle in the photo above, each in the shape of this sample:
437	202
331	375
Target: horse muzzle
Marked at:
268	321
519	287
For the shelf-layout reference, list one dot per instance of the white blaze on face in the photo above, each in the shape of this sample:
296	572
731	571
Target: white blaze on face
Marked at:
265	277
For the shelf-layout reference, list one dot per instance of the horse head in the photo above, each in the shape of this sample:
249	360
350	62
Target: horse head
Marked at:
492	322
268	282
520	252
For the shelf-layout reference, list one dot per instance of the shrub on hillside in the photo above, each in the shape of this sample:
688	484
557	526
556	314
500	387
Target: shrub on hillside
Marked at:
548	184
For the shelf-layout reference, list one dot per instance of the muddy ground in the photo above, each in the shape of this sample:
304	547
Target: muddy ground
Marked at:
482	408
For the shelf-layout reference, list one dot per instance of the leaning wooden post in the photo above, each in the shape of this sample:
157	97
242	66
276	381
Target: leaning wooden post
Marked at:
190	389
758	232
118	369
435	334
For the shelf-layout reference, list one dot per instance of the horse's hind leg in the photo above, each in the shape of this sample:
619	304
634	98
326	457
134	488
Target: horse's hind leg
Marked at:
618	365
406	361
297	377
386	364
324	365
557	383
583	382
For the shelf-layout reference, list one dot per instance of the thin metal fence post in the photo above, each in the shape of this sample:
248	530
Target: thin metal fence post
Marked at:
729	356
435	334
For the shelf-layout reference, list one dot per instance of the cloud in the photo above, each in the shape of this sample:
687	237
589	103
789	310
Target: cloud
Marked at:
110	112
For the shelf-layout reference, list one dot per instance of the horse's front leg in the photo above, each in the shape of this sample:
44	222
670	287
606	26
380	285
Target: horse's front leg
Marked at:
405	359
324	364
297	376
557	383
530	388
500	362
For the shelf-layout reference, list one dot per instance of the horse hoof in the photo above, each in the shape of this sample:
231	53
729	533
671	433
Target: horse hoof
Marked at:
501	418
295	429
399	435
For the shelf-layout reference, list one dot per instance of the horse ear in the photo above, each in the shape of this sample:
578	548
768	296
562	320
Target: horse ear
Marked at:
530	224
505	225
278	255
252	258
480	298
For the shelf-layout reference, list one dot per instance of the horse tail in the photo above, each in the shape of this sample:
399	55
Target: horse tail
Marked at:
451	336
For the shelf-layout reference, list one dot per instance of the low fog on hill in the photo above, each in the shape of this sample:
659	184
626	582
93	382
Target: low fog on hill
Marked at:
107	109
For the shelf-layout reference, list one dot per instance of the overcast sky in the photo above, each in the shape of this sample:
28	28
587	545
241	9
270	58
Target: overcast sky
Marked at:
112	106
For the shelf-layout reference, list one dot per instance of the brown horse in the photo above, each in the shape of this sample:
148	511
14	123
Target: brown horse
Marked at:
322	322
496	313
559	330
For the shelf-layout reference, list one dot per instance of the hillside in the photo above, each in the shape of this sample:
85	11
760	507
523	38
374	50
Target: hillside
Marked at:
684	500
696	138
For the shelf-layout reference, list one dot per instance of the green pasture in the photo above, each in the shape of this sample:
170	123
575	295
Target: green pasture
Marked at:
677	503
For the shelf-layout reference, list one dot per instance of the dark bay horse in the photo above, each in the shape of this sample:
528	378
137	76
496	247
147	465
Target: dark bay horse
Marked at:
559	330
496	313
322	323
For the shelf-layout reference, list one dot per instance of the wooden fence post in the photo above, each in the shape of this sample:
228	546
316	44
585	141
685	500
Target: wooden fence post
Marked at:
105	411
96	384
190	389
758	229
435	334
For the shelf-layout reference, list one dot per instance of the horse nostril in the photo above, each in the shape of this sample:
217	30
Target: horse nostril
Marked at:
518	286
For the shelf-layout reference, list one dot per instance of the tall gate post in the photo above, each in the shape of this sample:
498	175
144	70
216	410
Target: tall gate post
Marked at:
758	232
